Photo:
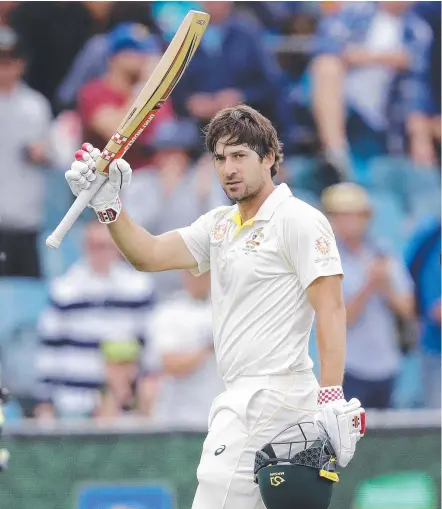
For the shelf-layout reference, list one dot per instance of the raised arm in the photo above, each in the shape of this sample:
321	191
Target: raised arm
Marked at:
150	253
187	248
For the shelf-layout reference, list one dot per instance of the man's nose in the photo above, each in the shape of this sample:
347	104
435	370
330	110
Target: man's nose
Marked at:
229	167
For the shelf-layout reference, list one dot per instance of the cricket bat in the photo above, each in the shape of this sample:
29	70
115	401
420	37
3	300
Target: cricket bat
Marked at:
157	89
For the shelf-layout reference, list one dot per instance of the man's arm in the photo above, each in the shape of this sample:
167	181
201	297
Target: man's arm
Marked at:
325	296
183	364
150	253
187	249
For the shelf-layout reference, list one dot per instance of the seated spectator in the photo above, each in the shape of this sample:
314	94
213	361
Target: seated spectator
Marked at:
100	298
425	119
102	103
24	126
368	56
53	33
173	192
376	288
130	386
231	66
181	331
424	263
92	61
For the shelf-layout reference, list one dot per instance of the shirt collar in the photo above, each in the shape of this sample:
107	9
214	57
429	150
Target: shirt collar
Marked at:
267	209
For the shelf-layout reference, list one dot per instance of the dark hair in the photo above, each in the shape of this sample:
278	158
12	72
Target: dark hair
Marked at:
242	125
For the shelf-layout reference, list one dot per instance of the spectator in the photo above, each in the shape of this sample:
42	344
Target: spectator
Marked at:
104	102
376	288
99	299
24	126
368	56
424	263
92	60
425	118
173	192
53	33
182	336
230	66
128	388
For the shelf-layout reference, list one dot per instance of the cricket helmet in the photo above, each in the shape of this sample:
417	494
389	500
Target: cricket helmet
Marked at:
296	473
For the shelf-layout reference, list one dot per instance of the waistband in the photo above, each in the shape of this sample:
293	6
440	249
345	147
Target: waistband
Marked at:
300	378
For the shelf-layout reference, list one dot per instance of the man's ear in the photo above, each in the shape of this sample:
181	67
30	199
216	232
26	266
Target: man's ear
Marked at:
269	159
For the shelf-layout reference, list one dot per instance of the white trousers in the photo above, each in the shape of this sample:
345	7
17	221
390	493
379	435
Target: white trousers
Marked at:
249	414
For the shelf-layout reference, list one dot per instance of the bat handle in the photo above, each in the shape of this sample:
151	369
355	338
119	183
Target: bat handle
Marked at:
82	201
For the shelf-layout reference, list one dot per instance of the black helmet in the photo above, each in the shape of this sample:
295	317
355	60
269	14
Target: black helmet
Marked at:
297	473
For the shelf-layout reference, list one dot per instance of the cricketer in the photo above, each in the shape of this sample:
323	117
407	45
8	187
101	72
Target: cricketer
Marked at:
274	267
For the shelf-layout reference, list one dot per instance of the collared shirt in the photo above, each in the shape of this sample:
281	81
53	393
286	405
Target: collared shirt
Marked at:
372	347
85	310
259	273
184	325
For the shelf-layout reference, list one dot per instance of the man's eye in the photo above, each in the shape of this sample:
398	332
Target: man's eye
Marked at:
219	158
239	156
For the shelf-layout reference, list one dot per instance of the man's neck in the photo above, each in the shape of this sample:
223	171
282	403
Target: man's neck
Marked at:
8	88
249	208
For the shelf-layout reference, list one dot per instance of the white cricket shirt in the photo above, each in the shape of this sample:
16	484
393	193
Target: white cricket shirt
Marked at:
259	273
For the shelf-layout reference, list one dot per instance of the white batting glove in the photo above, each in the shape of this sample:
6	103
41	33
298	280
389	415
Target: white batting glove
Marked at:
340	421
106	202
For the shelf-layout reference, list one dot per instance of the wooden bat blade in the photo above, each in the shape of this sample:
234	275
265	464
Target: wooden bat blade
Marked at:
157	89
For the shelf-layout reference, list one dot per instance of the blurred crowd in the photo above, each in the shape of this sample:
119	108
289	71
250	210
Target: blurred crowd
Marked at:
354	90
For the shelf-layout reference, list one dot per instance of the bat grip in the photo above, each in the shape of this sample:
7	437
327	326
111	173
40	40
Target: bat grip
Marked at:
82	201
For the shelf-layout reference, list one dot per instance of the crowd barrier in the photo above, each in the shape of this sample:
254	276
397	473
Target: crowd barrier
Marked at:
132	464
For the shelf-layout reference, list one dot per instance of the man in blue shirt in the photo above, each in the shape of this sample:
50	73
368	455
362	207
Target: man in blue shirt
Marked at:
376	288
424	263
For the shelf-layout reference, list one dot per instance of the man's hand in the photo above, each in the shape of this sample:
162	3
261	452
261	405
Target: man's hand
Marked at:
106	202
378	274
341	422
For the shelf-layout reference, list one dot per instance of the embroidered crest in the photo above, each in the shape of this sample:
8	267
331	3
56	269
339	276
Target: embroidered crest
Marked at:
254	241
219	232
322	245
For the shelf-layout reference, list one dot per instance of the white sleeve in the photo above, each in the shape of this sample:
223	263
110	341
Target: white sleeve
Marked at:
310	247
197	239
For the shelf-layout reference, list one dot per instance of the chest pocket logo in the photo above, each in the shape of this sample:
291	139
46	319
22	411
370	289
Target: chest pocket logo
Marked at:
254	241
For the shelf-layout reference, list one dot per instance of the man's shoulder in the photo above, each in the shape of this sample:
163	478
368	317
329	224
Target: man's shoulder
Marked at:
220	213
33	98
294	208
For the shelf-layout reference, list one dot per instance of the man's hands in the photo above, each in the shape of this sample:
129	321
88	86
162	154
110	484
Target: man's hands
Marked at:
341	422
106	202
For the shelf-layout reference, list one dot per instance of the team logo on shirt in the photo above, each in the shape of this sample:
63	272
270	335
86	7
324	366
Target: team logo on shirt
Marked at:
322	245
254	241
219	232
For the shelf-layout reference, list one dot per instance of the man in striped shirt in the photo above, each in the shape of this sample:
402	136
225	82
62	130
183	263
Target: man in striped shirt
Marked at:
99	299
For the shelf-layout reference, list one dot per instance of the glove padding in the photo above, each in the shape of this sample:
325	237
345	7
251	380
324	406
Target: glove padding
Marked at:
106	202
343	424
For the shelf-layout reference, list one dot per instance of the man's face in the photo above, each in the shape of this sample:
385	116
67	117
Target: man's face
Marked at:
11	70
100	250
241	171
350	226
131	63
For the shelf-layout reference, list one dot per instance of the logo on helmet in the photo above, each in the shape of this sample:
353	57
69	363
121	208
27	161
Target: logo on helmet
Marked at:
276	479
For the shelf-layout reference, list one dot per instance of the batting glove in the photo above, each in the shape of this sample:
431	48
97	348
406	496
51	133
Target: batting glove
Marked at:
106	202
341	422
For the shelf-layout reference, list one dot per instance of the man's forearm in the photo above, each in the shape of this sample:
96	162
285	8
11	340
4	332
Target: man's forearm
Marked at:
331	340
403	305
328	101
136	243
